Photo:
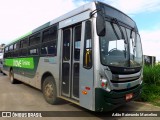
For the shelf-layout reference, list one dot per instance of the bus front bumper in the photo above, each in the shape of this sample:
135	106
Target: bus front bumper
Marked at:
107	101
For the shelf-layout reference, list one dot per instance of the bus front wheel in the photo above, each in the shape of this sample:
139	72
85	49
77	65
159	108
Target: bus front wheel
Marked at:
49	90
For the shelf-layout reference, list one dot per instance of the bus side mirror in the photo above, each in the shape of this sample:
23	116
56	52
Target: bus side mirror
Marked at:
100	25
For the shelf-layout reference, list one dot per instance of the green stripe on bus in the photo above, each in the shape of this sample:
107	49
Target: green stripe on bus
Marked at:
20	62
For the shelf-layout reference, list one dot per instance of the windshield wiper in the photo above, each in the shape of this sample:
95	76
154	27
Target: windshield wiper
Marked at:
123	37
115	32
133	42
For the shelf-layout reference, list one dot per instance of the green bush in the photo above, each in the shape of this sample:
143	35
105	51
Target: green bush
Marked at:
150	93
151	75
151	84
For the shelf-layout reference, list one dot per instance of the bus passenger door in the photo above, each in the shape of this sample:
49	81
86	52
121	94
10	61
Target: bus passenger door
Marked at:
71	61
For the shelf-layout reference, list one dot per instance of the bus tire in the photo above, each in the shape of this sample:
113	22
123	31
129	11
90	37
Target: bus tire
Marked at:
49	90
11	76
3	73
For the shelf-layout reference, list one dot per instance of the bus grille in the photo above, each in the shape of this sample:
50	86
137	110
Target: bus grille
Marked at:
125	78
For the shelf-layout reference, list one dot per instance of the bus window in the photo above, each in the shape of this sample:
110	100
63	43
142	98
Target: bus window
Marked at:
44	50
77	42
24	43
16	53
16	46
6	49
33	51
35	39
50	34
66	44
49	49
87	59
24	52
10	47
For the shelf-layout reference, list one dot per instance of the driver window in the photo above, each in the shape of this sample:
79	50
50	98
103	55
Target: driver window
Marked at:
87	59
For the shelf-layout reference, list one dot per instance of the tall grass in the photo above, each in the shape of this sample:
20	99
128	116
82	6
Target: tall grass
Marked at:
151	84
151	75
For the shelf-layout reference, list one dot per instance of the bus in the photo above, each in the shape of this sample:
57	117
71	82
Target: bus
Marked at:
91	56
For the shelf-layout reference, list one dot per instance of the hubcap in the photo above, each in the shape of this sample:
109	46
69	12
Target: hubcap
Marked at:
11	77
49	90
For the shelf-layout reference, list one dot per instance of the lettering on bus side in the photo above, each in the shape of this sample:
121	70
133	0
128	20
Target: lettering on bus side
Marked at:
17	63
20	62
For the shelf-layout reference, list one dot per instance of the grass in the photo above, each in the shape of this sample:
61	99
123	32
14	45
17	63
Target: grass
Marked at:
151	75
151	85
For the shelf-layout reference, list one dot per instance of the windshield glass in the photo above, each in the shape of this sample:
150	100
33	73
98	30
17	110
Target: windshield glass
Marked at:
120	47
136	59
135	48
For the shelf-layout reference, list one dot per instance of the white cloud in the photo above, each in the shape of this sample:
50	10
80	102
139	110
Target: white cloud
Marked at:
21	16
135	6
151	42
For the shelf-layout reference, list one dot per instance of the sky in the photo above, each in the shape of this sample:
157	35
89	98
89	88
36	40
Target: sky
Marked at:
18	17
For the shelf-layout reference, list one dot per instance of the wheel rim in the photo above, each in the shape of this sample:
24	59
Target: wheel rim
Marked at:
49	90
11	77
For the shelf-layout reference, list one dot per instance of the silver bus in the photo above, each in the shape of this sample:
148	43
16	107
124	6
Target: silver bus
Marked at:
91	56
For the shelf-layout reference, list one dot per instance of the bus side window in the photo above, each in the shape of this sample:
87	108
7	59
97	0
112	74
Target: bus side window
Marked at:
87	55
5	52
77	42
35	39
44	50
16	51
49	49
24	52
66	44
50	34
49	41
33	51
24	43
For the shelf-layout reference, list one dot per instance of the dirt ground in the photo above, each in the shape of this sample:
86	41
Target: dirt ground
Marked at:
21	97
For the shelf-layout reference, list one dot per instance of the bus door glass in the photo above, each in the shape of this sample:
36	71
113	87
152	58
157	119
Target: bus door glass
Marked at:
71	61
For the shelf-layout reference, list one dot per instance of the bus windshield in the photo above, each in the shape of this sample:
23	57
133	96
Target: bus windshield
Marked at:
120	47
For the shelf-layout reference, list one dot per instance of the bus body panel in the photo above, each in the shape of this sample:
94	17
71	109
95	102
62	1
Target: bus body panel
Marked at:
75	19
48	65
86	78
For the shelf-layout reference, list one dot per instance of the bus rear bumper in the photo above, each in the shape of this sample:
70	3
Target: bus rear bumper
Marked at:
107	101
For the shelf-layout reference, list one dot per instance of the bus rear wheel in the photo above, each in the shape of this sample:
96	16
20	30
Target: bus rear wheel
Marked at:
49	90
11	76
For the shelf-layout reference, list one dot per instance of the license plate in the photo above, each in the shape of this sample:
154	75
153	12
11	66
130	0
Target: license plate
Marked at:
129	96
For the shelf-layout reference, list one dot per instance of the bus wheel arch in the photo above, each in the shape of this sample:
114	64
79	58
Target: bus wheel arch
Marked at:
49	88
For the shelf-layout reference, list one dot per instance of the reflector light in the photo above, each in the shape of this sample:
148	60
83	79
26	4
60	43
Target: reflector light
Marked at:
87	88
84	92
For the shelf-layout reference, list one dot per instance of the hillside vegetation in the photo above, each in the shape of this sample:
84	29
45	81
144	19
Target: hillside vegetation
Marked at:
151	85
